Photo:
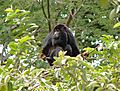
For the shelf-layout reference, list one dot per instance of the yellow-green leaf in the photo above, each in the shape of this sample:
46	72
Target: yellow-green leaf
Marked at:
103	3
7	78
17	10
24	39
9	10
116	25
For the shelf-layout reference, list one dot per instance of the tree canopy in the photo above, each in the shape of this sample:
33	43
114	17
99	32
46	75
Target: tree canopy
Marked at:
25	23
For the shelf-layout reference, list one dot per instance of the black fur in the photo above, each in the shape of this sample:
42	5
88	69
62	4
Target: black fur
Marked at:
60	38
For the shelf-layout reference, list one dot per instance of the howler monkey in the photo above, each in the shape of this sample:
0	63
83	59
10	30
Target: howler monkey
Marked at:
60	38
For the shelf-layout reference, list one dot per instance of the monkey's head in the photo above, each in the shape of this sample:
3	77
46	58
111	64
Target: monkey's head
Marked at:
60	27
60	36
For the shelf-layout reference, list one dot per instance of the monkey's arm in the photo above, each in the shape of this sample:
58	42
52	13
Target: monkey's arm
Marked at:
73	44
47	44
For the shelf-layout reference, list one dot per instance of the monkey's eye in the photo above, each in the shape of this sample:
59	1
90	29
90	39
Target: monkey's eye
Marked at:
64	28
57	30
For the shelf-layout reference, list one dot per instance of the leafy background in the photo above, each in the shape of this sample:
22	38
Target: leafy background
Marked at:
23	26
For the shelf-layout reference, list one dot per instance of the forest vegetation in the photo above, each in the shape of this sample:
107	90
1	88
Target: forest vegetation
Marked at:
25	23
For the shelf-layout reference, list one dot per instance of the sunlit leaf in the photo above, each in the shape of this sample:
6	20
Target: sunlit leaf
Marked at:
111	85
61	53
7	78
107	36
33	72
3	87
33	25
88	49
24	39
112	14
26	72
43	80
93	83
116	25
13	45
1	70
17	10
9	10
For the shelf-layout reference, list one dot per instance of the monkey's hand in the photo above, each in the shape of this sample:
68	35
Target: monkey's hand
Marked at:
43	56
85	55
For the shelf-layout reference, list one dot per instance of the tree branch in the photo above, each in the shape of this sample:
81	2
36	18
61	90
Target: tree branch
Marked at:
57	17
48	12
73	13
44	10
48	8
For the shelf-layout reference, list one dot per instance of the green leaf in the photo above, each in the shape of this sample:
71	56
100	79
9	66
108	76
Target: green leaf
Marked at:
9	10
103	3
11	16
24	39
107	36
112	14
1	70
88	49
36	71
116	25
100	89
33	25
57	62
61	53
111	85
26	72
87	65
24	12
7	78
43	80
3	87
10	86
93	83
13	45
17	10
9	62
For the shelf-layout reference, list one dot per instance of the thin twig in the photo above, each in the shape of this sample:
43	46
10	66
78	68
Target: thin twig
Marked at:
48	8
48	11
70	17
57	17
44	10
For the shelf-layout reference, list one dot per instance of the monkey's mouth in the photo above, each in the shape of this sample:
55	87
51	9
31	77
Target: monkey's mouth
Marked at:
56	38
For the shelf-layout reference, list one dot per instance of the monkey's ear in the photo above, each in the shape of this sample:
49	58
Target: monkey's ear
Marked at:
42	56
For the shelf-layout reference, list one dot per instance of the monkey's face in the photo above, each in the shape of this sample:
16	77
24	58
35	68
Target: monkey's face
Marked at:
56	34
59	37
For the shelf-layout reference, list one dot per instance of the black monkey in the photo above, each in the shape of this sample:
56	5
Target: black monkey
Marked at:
62	37
68	48
55	51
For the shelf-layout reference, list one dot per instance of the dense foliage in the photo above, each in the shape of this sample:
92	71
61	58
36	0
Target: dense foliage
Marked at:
23	27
